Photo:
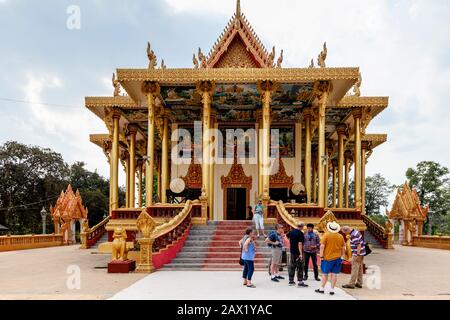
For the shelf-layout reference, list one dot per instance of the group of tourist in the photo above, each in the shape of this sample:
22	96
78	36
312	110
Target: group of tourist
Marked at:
304	246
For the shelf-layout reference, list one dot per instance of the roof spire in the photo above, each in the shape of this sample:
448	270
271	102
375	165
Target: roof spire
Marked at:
238	8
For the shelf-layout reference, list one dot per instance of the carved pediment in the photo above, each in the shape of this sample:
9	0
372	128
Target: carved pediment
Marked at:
407	205
193	178
236	176
281	179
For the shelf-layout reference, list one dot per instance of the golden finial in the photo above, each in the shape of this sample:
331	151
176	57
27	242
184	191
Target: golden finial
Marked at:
322	56
272	57
151	57
202	58
195	61
280	59
116	85
357	86
238	8
312	64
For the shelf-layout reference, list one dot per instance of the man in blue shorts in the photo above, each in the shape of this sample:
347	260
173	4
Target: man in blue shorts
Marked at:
332	249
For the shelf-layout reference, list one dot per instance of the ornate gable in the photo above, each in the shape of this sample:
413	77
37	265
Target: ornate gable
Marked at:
193	178
239	47
407	205
69	206
281	179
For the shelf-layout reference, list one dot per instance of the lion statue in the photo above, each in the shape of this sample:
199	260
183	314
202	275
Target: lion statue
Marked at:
119	245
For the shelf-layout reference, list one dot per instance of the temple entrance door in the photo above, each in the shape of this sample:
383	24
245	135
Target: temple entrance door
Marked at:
236	203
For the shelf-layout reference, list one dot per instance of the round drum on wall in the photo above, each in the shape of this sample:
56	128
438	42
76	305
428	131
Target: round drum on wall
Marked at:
297	188
177	185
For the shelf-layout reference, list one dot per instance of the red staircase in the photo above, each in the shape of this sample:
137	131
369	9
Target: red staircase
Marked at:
216	247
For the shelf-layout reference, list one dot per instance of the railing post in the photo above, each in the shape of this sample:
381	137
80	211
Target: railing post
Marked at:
145	264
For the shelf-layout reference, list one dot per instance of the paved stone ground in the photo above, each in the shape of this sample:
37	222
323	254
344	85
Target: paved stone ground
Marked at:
42	274
221	285
406	273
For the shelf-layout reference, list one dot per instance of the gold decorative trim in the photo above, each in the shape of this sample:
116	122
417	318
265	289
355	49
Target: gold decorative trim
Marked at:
236	176
109	102
193	178
183	76
281	179
355	102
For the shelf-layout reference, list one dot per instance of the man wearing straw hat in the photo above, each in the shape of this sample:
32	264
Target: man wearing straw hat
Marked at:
332	249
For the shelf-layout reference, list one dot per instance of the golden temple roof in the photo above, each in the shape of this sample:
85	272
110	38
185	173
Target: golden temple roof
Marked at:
239	46
69	206
407	205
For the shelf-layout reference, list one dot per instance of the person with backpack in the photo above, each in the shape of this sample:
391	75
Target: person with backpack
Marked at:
248	252
358	247
275	241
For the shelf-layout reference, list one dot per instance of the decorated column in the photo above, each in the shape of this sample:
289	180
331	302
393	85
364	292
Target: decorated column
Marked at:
140	164
334	164
348	158
322	88
365	147
115	160
132	162
266	88
151	89
206	89
357	115
307	114
165	157
341	130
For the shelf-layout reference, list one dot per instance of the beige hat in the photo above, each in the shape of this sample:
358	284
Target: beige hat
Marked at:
333	227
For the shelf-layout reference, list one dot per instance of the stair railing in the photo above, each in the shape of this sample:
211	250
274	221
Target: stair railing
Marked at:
165	235
90	236
378	231
283	216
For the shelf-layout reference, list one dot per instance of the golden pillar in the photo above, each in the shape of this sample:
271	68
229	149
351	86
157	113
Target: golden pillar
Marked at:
140	184
158	176
165	158
259	139
365	147
323	88
126	162
265	88
326	181
348	158
314	178
334	164
107	146
151	89
212	154
115	161
206	89
341	131
132	171
307	114
357	115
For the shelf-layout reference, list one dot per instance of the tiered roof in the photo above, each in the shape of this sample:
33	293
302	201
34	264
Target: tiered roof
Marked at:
407	205
69	206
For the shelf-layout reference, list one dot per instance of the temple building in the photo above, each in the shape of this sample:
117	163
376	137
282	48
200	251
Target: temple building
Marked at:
236	127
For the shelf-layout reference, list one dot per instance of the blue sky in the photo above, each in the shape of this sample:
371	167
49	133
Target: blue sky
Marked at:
402	48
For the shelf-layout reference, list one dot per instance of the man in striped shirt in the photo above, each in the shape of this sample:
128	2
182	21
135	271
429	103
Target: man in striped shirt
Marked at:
358	252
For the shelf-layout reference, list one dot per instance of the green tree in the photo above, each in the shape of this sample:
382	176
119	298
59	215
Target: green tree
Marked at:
432	183
30	177
378	189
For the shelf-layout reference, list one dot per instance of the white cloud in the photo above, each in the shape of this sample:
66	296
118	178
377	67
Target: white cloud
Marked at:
402	50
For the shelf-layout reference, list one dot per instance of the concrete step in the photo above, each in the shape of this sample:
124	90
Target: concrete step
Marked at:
215	260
